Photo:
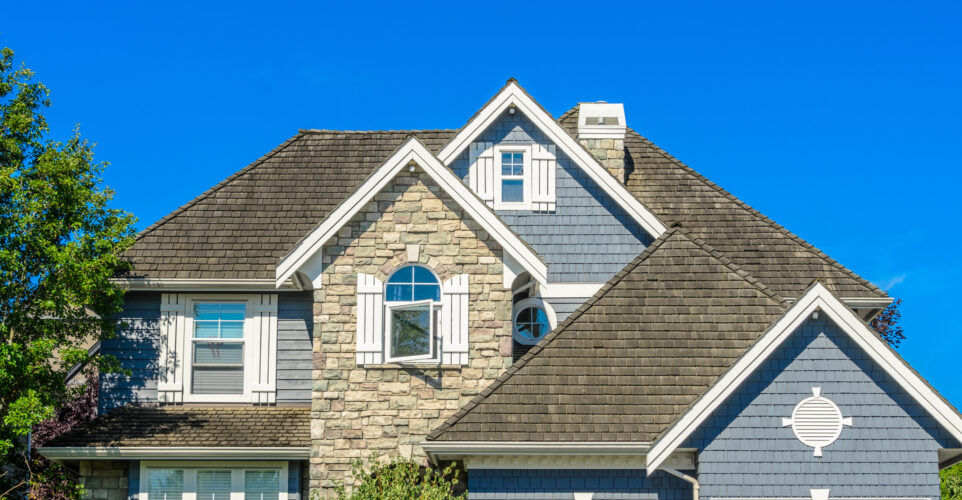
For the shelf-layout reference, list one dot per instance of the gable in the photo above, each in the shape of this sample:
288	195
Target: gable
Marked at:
890	449
584	213
306	257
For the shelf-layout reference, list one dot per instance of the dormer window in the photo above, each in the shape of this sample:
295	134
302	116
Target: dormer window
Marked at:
512	167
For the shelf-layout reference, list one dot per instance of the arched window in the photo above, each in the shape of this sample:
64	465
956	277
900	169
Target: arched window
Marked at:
412	296
533	319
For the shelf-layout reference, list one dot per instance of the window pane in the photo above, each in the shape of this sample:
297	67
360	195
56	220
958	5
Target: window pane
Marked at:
422	275
261	484
398	292
206	329
217	380
165	484
411	331
213	485
403	275
427	292
512	190
218	353
232	329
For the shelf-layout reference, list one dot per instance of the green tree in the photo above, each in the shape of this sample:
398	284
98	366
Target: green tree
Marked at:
59	246
400	479
951	482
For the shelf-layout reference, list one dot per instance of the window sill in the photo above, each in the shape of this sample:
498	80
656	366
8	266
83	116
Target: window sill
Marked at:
412	366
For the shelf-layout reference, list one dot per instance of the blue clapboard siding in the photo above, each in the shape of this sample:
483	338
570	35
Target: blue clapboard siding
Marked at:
891	450
135	346
133	480
589	237
538	484
563	307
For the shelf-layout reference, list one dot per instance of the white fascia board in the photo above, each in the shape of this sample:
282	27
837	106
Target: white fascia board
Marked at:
513	94
140	284
534	448
569	290
172	452
412	150
816	298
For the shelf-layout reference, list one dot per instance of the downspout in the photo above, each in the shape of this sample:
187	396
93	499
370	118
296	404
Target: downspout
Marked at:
694	482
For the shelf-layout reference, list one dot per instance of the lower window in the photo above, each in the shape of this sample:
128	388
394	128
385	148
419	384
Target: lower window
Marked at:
213	480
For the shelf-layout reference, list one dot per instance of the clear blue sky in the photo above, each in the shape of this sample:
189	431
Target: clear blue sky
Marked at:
841	122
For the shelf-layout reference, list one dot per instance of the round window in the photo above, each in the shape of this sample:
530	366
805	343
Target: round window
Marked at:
531	322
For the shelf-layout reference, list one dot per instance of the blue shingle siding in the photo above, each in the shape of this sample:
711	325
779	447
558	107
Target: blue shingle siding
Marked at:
564	306
538	484
589	237
135	346
891	449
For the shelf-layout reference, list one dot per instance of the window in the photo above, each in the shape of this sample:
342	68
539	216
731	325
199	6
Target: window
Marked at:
412	299
512	177
217	481
217	348
533	319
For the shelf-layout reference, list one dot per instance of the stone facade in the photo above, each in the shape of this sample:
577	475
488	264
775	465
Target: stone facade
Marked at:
357	410
611	154
105	479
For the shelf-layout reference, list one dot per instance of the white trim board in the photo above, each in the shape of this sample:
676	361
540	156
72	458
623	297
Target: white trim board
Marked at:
569	290
173	452
190	284
411	151
513	94
817	298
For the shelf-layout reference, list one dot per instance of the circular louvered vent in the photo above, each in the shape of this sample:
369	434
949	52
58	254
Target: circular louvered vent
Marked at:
817	422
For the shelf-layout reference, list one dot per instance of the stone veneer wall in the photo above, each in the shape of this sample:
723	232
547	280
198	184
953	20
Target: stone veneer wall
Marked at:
390	408
105	479
611	154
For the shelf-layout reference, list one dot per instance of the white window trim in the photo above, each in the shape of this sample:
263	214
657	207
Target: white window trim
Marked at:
188	355
532	302
526	177
435	355
190	468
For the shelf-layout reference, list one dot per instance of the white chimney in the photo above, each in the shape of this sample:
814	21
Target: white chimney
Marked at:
601	129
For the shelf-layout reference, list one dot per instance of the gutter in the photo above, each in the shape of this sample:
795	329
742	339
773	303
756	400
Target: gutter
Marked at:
213	285
695	487
60	453
433	448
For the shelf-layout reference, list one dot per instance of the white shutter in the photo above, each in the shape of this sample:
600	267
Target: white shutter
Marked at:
454	321
173	347
543	173
481	171
262	350
370	320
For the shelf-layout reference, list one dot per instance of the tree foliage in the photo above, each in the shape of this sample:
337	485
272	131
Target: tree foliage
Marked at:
950	479
59	246
886	324
399	479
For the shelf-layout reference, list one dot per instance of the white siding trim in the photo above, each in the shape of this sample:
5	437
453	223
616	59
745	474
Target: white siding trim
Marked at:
411	151
816	298
172	347
513	94
165	452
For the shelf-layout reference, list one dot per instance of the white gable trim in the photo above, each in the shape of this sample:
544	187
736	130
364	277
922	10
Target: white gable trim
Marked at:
512	93
817	298
411	151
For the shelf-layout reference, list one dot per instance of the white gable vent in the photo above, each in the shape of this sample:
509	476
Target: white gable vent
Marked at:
601	120
816	421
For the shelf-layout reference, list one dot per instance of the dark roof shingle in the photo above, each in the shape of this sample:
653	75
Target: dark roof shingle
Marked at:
197	427
631	359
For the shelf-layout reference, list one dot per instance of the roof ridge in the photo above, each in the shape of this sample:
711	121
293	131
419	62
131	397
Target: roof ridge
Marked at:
764	218
179	210
616	279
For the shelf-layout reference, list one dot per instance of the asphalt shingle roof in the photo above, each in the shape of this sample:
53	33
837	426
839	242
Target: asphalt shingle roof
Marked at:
628	362
243	227
197	427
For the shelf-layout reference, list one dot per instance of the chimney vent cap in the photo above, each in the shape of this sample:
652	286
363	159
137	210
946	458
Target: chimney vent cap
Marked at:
601	120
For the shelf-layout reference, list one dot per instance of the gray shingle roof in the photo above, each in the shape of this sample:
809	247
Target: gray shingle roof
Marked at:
189	426
631	359
242	227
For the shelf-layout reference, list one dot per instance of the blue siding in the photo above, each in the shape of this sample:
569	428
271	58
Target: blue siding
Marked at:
891	449
135	346
133	480
625	484
294	481
589	237
563	307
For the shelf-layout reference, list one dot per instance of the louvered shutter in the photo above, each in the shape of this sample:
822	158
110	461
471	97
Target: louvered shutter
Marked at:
370	320
454	321
262	358
543	172
172	347
481	171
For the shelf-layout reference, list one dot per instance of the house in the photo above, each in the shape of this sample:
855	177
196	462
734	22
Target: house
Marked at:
557	304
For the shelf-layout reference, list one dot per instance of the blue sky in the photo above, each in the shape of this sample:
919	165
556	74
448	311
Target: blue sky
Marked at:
841	122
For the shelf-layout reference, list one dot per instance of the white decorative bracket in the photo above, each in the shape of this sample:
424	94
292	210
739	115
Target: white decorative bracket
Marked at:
817	422
819	494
